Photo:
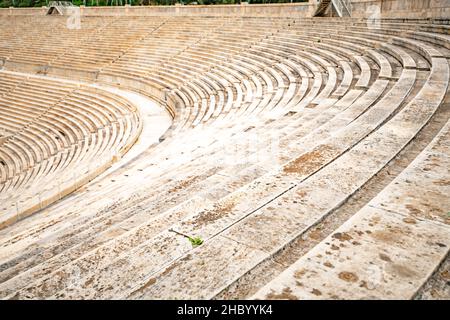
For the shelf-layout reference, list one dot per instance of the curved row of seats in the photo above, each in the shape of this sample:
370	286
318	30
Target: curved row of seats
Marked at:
274	129
362	259
53	131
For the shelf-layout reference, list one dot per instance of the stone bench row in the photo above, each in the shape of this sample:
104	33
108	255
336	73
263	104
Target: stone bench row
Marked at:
192	210
155	290
46	139
389	248
244	238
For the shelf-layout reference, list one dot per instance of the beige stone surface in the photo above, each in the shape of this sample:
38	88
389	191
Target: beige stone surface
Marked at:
374	255
388	249
289	134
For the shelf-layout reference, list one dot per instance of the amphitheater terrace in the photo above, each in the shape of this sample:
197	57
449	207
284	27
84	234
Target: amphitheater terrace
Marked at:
249	151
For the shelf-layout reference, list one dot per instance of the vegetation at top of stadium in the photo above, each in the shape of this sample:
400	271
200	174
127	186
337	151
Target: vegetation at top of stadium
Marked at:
40	3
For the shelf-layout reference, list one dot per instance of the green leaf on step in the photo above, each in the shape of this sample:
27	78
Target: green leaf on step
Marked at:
196	241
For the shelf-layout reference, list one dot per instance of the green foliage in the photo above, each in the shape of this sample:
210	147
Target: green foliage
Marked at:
40	3
196	241
21	3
